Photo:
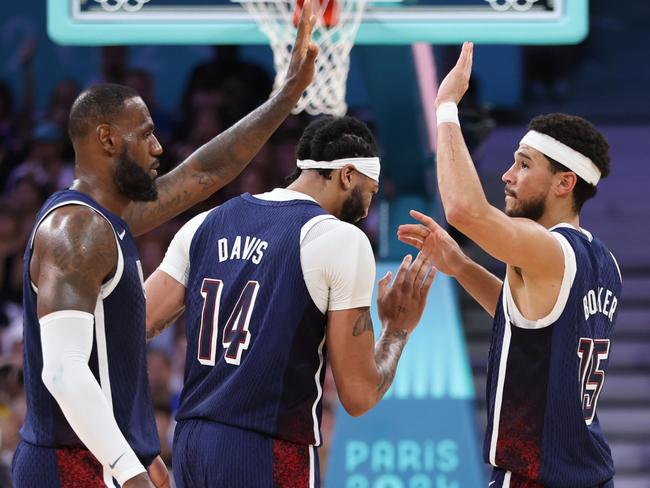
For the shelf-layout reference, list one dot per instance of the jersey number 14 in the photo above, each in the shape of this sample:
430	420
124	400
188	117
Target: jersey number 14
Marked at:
235	337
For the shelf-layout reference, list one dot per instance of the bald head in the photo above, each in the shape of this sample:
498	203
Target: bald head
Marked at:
99	104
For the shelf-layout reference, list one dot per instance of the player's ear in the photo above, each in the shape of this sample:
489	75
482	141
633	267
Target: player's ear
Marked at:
565	183
346	176
107	138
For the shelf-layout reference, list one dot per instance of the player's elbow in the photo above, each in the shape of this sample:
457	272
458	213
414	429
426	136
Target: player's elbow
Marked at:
356	405
460	214
61	376
355	409
54	378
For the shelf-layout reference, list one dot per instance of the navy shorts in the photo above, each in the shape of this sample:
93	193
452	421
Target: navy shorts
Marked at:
63	467
208	455
499	475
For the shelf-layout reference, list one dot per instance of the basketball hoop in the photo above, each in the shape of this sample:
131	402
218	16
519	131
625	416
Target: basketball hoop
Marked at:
337	23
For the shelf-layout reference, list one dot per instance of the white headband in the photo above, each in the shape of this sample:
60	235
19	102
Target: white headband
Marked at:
572	159
367	166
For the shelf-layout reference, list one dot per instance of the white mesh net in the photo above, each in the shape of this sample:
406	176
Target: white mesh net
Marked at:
326	94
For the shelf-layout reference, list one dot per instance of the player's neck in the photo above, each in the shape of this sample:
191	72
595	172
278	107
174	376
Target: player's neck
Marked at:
560	216
101	189
315	187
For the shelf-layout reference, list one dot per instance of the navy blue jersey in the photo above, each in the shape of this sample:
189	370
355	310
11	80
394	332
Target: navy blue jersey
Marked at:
118	359
545	377
255	339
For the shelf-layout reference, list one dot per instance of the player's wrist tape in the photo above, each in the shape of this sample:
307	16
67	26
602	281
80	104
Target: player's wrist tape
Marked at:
447	112
67	341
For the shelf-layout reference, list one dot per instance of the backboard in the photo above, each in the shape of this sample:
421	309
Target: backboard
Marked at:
105	22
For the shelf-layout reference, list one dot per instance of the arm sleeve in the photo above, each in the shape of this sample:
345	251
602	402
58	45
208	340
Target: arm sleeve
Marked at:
338	265
67	340
177	258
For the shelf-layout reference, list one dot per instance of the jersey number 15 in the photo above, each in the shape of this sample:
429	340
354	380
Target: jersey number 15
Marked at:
591	352
236	336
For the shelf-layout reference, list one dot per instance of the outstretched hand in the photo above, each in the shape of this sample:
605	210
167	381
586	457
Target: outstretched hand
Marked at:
434	243
456	83
301	66
401	303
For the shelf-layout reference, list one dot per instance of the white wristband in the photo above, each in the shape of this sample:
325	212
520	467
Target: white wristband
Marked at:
447	112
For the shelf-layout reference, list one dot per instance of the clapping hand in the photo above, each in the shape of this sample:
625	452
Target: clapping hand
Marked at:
401	304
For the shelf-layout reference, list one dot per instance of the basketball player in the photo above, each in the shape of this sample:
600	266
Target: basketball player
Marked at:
554	313
272	285
89	415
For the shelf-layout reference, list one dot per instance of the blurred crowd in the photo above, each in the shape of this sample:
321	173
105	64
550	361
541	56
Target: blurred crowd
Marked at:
36	159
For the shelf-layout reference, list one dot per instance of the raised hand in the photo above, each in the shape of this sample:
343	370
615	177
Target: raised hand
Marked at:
455	84
434	243
401	304
301	66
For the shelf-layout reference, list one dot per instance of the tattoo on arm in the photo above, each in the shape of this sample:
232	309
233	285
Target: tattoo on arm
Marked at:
363	323
226	155
387	353
162	324
211	166
75	252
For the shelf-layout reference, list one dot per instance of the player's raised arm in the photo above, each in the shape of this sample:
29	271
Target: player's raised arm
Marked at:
74	252
516	241
364	369
220	160
444	253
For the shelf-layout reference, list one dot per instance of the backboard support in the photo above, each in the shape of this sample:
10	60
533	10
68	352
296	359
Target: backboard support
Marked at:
106	22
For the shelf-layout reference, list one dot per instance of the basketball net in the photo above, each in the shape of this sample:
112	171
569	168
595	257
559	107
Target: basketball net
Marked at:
337	23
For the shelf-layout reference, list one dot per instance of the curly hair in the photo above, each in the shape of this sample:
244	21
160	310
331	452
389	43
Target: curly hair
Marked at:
580	135
330	138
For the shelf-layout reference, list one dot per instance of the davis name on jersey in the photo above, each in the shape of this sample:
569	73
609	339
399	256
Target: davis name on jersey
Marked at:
241	248
256	349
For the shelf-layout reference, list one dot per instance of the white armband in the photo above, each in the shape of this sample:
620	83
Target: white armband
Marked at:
447	112
67	341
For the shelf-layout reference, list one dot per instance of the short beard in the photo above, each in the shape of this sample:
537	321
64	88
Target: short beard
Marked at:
132	181
532	210
352	210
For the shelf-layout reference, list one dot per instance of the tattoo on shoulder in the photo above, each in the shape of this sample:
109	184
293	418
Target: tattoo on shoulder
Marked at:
362	324
68	250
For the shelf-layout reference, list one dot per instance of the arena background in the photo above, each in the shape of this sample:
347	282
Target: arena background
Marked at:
427	432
